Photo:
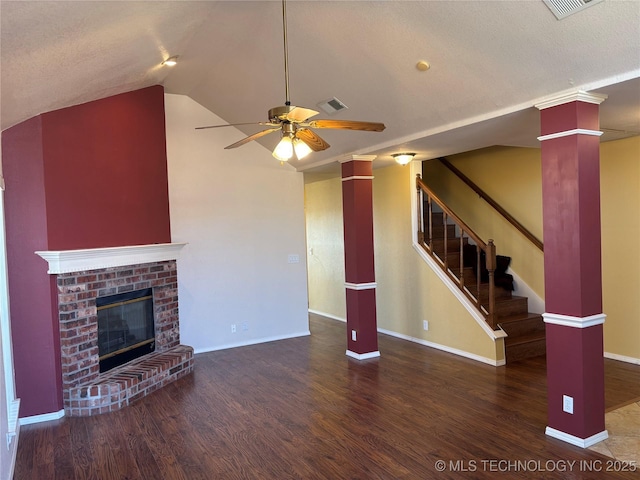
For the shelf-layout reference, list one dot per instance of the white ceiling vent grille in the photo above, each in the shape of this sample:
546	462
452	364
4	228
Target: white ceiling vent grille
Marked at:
332	105
564	8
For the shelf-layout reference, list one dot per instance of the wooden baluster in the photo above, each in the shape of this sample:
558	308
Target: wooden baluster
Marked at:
461	260
446	260
491	268
430	218
420	212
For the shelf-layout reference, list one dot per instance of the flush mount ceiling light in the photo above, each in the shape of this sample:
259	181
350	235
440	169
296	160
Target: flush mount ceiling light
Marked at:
171	61
403	158
423	65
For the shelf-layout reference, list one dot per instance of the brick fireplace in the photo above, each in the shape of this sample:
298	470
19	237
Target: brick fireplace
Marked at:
84	275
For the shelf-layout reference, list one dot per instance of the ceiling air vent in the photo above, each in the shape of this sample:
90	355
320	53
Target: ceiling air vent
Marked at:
564	8
332	105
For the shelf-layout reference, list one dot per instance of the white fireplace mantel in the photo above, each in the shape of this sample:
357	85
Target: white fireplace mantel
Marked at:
67	261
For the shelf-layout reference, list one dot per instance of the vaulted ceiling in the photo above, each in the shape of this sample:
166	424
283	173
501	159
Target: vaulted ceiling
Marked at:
491	62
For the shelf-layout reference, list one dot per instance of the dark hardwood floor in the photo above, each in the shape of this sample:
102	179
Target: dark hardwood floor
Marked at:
301	409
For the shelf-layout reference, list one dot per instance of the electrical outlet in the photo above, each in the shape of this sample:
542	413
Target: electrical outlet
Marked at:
245	327
567	404
293	258
353	335
233	328
425	324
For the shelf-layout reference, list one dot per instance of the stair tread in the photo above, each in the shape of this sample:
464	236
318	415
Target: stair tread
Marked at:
519	317
526	338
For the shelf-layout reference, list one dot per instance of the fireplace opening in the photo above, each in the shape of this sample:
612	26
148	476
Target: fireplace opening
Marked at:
126	328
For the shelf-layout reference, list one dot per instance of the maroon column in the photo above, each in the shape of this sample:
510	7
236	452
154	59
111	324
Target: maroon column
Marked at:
572	268
357	208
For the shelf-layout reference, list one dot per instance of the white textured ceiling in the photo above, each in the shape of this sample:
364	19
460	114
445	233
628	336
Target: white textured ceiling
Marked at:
491	61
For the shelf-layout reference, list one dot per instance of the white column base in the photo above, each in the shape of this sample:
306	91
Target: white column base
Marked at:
363	356
578	442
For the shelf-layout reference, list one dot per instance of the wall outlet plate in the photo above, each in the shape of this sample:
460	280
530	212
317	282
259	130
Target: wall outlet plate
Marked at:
567	404
425	324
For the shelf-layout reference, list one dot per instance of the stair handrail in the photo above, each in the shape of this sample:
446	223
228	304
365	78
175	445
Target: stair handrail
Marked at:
425	239
482	194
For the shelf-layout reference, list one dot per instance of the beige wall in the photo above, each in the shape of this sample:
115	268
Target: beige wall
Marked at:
408	291
620	207
325	246
512	177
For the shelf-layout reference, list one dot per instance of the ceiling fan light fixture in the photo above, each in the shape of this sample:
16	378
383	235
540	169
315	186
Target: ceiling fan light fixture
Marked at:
403	158
171	61
284	149
301	148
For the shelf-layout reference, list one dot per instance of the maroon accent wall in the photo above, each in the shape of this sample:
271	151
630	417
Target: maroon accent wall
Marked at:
34	328
572	261
569	116
106	172
361	317
357	212
357	202
571	225
93	175
578	371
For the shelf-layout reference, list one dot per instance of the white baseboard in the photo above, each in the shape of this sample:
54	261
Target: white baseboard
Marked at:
622	358
328	315
444	348
45	417
363	356
251	342
437	346
577	441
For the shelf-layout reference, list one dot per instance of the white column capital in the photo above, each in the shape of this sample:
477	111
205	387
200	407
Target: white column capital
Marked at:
579	96
361	158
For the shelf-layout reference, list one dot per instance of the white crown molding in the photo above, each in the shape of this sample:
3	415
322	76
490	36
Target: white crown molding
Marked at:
67	261
567	133
574	322
579	96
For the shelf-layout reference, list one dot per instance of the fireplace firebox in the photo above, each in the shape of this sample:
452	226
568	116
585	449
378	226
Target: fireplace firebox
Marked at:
125	327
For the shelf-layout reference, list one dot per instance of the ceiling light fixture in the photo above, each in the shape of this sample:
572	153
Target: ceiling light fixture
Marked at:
423	65
171	61
403	158
284	149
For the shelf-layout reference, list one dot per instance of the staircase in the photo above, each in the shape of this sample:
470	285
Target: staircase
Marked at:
441	238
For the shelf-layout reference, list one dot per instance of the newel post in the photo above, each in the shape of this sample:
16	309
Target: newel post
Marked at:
491	268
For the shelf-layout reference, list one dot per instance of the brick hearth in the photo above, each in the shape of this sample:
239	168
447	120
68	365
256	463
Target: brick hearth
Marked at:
85	390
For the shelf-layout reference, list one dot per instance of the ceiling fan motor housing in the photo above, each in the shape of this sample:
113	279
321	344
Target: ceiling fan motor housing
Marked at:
278	114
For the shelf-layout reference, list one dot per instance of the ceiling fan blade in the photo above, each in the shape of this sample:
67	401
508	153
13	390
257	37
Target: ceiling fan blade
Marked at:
348	125
314	142
237	125
252	137
300	114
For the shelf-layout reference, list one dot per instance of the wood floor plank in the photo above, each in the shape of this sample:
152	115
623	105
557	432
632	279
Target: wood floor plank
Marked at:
301	409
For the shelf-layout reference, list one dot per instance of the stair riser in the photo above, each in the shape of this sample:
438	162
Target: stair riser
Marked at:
513	306
525	350
524	327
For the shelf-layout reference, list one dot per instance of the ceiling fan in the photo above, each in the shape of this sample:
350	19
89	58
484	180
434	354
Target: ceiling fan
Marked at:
294	122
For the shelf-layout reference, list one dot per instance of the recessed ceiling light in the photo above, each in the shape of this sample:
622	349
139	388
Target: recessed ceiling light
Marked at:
171	61
423	65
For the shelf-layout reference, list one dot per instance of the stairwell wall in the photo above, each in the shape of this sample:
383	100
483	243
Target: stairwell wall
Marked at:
512	177
408	291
